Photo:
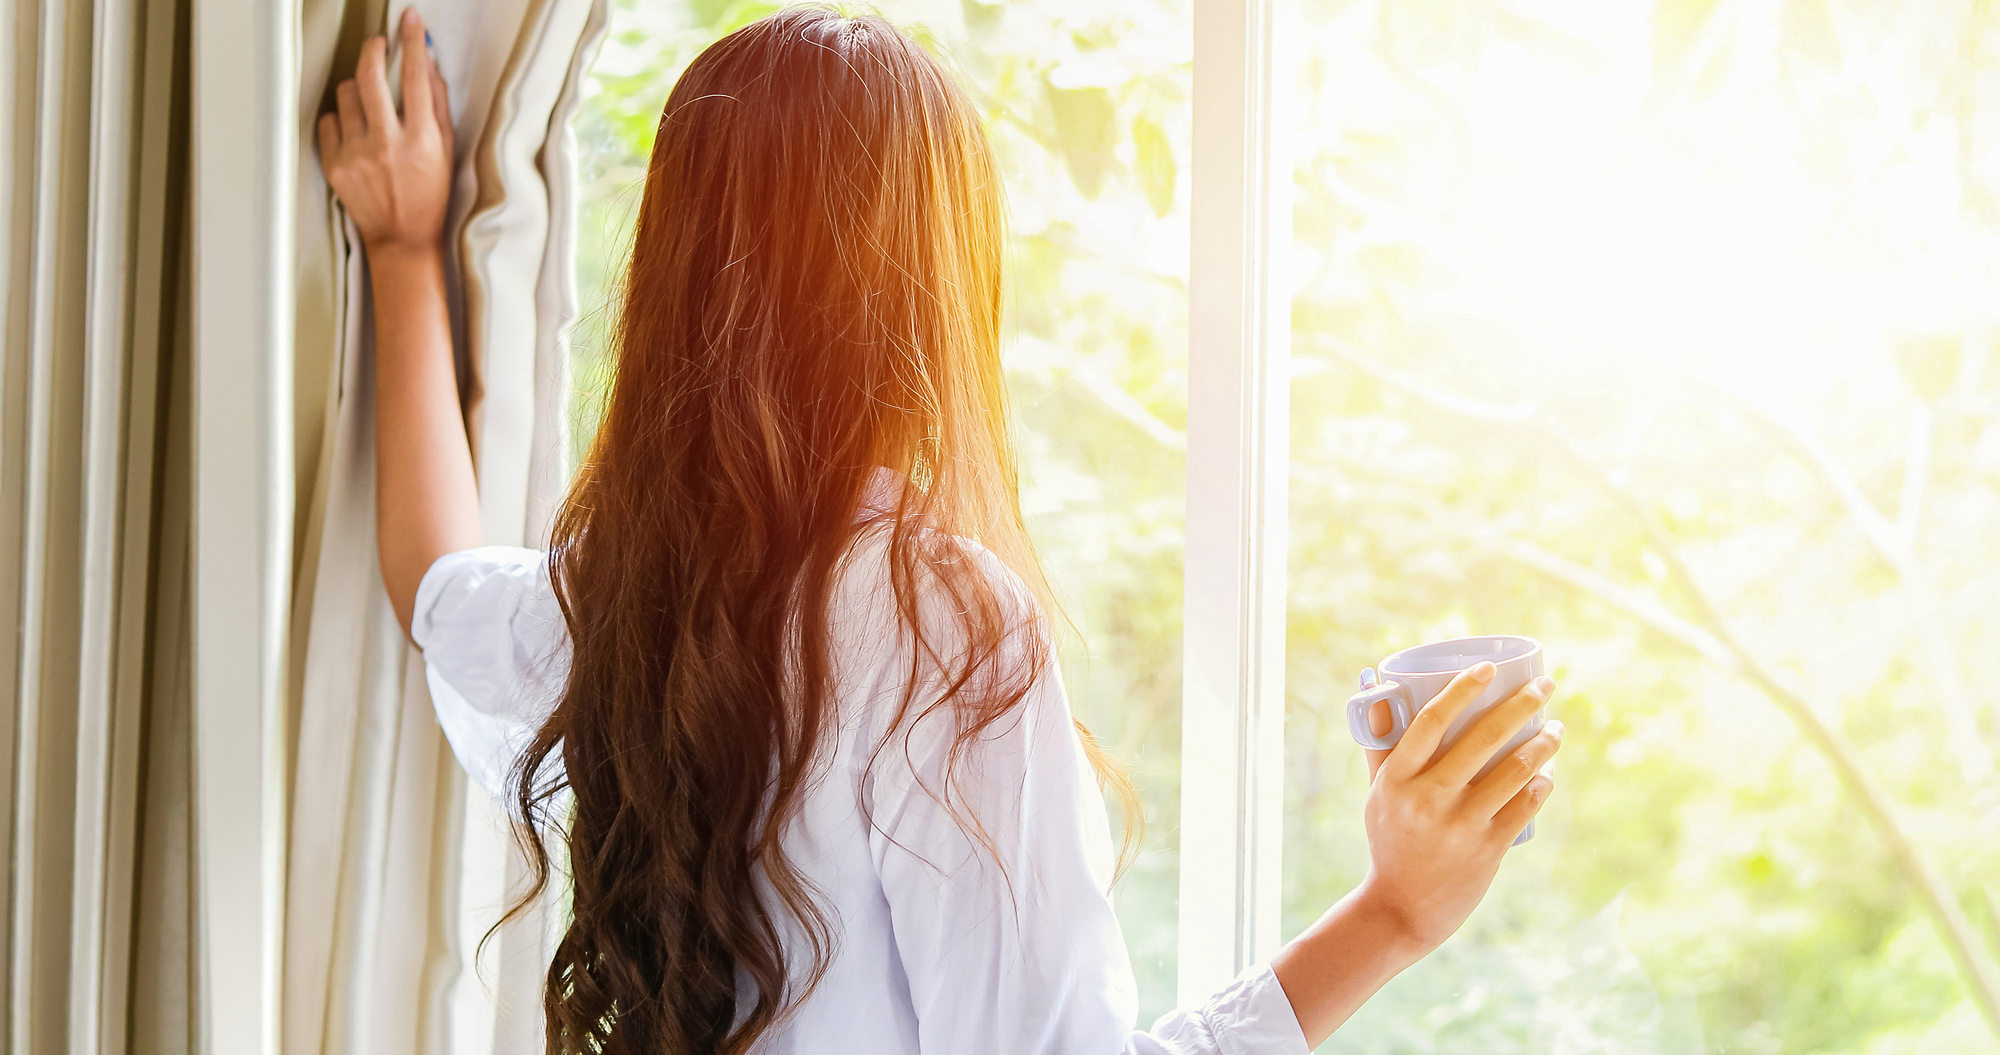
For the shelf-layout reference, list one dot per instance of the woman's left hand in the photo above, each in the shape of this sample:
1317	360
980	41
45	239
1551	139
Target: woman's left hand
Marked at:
393	173
1437	830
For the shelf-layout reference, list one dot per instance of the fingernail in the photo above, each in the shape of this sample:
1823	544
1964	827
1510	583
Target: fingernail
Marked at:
409	16
1545	685
1554	728
1481	672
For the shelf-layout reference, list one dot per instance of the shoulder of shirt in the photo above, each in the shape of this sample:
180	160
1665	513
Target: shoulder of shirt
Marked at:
864	579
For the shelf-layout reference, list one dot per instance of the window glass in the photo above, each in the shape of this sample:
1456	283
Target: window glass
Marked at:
1665	334
1087	104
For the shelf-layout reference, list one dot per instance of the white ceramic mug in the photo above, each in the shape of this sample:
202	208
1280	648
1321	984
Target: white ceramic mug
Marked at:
1413	677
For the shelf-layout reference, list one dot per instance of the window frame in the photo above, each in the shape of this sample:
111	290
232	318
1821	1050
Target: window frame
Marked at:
1238	463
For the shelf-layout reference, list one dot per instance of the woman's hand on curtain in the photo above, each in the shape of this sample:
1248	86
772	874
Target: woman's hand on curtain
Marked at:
393	175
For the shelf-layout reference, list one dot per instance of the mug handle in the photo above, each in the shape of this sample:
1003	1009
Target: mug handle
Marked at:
1401	710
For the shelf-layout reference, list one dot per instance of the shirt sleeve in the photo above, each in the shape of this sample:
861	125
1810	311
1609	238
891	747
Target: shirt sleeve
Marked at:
1006	934
496	655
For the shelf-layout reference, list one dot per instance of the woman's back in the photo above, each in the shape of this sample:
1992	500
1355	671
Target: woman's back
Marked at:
995	936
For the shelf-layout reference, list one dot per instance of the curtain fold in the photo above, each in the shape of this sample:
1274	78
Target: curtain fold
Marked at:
94	527
397	870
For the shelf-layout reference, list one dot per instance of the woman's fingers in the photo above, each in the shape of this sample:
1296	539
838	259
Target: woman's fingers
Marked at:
371	75
1380	721
329	140
1499	787
1421	740
1521	809
347	102
1495	727
416	71
441	106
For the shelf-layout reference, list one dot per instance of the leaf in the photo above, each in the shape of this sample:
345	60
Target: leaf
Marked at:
1928	364
1677	24
1154	157
1809	32
1086	129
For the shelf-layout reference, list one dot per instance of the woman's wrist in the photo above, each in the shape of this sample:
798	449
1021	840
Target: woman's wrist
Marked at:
397	254
1329	971
1402	934
408	280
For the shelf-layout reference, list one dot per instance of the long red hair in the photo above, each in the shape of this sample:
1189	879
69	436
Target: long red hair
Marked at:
814	291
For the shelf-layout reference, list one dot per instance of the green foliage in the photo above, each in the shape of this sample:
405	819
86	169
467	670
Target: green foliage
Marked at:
1085	120
1154	161
1928	364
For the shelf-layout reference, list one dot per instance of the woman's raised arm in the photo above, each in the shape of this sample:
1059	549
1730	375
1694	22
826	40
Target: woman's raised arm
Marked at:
393	174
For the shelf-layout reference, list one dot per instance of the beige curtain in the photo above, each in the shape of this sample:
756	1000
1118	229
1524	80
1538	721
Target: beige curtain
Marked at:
397	868
95	771
391	870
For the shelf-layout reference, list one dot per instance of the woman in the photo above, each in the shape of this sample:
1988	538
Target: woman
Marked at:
785	659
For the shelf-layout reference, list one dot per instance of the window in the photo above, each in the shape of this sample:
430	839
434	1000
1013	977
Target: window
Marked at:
1664	333
1661	332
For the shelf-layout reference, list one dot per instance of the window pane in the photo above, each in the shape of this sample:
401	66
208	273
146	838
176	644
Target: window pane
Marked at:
1665	334
1087	104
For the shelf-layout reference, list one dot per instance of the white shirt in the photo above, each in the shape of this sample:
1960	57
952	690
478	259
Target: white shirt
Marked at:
941	950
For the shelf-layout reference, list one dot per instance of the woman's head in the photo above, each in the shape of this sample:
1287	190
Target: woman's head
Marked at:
814	290
815	278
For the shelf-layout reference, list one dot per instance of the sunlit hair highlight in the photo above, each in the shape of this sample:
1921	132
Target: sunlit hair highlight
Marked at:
814	291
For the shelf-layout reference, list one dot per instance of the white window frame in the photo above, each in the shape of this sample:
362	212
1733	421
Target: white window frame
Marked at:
1239	395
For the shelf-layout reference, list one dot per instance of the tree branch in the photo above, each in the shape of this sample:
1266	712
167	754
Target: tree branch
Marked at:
1916	473
1114	398
1643	609
1992	916
1894	543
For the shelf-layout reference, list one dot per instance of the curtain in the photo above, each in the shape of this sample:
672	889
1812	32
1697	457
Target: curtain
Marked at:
392	869
397	869
95	763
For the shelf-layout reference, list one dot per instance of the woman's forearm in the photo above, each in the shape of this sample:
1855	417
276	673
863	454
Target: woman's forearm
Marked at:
426	502
1329	971
391	171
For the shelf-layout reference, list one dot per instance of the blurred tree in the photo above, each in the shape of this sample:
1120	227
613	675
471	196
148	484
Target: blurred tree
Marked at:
1665	336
